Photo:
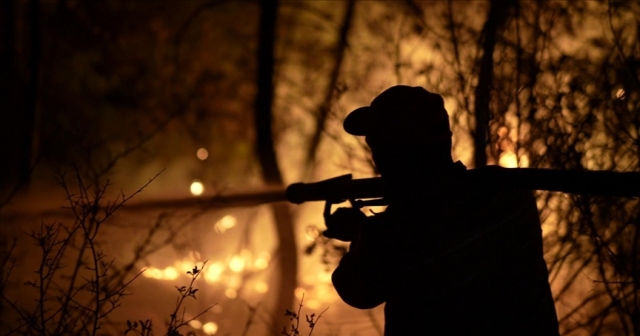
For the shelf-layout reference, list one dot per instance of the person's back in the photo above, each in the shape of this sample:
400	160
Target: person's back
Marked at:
465	260
449	256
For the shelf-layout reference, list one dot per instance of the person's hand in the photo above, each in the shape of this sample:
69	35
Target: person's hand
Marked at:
344	224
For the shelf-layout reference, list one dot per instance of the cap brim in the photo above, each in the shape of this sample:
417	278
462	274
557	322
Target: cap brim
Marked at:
360	121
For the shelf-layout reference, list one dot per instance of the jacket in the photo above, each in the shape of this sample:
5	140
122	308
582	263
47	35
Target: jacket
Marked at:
452	257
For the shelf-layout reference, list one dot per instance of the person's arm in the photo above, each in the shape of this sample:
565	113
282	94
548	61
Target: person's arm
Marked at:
361	278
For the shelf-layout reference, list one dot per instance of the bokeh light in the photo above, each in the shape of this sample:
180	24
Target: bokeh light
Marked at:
202	154
225	223
195	324
231	293
261	263
213	272
197	188
261	287
210	328
236	264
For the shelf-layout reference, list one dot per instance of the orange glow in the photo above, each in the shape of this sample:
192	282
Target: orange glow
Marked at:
236	264
213	272
261	287
299	293
264	255
313	304
312	233
231	293
324	277
169	273
309	279
261	263
235	281
508	160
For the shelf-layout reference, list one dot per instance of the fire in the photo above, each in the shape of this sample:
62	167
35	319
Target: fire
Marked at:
215	270
169	273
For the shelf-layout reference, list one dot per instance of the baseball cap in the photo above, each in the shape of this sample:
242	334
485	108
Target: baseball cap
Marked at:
402	115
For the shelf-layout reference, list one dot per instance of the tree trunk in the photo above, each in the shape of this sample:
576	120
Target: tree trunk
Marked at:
323	110
496	19
287	257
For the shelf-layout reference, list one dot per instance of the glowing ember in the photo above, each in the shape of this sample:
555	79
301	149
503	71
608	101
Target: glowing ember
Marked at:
261	287
197	188
195	324
170	273
231	293
236	264
202	154
153	273
212	273
210	328
184	266
225	223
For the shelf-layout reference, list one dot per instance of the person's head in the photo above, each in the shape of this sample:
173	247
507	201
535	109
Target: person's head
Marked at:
407	129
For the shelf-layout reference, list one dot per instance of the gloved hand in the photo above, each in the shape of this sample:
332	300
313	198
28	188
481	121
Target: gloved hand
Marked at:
344	224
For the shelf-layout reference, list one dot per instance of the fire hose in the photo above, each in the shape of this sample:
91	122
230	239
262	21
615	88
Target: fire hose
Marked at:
603	183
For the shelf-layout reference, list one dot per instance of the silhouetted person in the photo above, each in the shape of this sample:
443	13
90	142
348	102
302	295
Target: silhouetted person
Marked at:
449	256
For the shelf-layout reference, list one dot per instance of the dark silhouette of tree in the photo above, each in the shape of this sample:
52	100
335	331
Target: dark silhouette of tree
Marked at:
286	254
498	14
323	110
